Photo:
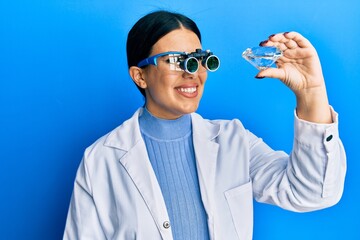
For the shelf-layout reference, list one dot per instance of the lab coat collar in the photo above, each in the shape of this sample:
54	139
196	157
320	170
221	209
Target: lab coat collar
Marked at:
202	129
127	134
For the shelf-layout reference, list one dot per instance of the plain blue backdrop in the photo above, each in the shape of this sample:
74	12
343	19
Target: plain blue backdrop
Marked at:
64	83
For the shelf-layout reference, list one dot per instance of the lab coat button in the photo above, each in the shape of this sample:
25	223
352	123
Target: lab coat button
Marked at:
328	139
166	224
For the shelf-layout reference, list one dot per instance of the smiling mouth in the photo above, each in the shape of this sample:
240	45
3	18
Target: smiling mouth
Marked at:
187	90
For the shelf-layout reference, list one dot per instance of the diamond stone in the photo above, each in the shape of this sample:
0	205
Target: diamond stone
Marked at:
262	57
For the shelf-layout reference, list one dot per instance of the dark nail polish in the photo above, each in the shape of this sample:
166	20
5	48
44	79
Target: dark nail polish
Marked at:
259	77
263	42
271	35
286	33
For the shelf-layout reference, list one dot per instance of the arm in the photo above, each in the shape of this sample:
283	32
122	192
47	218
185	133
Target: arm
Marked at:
82	219
312	177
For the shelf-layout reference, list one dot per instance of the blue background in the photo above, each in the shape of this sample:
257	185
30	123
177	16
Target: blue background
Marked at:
64	83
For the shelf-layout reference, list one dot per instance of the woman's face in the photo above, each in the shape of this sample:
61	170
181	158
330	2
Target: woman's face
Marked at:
170	94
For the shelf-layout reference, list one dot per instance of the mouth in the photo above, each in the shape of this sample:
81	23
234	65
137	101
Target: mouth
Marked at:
188	91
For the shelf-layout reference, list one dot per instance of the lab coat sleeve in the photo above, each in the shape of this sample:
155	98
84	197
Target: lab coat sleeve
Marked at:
82	219
310	178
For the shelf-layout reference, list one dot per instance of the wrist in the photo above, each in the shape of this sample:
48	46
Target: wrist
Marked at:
312	105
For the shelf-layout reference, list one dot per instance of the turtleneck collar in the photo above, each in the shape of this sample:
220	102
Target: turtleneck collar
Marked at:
164	129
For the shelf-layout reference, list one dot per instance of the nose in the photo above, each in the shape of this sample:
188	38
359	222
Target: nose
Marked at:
190	76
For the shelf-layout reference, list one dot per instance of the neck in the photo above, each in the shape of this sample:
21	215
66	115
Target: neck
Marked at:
164	129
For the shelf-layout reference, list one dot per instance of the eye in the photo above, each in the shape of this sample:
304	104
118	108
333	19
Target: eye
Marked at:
173	59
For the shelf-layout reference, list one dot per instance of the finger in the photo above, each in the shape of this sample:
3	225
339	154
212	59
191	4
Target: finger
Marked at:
289	39
281	46
298	39
291	44
271	73
282	60
274	39
297	53
279	41
279	37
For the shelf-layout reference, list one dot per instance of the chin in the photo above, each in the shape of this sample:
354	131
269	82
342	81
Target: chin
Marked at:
190	109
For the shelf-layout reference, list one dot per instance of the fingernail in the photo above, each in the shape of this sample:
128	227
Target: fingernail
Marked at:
286	33
259	77
271	35
263	42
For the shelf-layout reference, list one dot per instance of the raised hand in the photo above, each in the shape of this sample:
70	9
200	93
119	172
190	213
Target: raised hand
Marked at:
299	68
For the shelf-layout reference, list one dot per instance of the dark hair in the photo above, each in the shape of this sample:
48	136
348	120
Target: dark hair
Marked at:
149	29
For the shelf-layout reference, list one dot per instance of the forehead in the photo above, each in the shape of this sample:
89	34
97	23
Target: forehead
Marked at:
181	40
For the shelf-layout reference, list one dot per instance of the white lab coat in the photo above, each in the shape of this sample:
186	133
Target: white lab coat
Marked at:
116	194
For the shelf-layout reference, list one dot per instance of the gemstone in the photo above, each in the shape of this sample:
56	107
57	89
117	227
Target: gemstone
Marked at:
262	57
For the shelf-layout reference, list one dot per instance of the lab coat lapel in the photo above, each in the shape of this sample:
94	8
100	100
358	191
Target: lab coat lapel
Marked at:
136	162
206	152
140	170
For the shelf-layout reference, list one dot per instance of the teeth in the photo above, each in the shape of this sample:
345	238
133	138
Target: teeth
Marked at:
187	90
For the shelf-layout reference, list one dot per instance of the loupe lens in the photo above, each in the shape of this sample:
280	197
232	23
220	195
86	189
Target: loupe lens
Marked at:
191	65
212	63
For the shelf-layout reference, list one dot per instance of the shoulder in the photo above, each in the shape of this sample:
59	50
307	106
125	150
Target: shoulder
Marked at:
224	124
115	143
217	127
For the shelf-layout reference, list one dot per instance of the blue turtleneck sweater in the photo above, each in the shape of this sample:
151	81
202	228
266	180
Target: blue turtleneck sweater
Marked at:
171	153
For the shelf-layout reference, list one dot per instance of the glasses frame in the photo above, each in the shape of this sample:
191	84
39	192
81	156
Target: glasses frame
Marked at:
153	59
187	56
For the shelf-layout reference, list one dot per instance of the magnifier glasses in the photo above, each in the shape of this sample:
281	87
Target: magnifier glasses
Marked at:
191	63
188	62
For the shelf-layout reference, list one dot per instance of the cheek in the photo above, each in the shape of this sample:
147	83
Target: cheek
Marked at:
203	77
160	84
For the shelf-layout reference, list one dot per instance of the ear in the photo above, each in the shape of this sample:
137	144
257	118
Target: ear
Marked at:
137	75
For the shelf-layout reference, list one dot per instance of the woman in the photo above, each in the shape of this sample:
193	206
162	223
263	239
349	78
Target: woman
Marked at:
167	173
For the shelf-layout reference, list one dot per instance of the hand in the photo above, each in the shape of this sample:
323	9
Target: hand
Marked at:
299	68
